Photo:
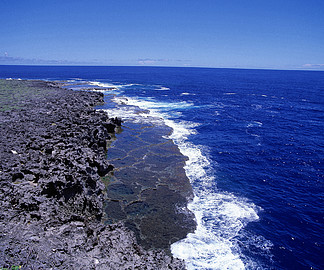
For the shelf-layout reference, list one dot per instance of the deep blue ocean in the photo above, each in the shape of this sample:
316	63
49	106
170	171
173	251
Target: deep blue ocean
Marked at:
255	142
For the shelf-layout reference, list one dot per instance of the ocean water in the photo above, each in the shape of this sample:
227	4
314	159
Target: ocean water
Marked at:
255	142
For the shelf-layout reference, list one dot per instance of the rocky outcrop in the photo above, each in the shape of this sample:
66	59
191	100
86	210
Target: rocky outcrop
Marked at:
52	157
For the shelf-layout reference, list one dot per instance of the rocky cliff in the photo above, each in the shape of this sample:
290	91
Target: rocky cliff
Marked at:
52	157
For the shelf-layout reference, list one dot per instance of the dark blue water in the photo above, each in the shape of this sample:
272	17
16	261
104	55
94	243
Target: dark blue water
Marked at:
255	139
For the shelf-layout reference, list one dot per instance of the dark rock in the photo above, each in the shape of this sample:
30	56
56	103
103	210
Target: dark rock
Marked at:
52	155
110	127
103	167
117	121
17	176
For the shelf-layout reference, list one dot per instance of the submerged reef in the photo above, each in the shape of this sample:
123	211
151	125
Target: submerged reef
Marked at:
53	147
148	189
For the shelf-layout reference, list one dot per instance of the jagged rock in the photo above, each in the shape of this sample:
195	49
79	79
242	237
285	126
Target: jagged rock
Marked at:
117	121
52	155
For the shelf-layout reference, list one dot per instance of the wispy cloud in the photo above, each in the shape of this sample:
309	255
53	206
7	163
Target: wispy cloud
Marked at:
150	61
5	59
313	66
36	61
161	61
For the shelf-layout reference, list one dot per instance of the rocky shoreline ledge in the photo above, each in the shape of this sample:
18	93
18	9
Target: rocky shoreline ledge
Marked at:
52	157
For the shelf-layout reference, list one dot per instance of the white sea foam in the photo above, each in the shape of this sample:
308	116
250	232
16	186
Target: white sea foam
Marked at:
111	85
254	124
162	88
187	94
100	84
221	217
156	109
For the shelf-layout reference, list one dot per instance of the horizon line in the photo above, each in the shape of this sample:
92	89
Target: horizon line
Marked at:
148	66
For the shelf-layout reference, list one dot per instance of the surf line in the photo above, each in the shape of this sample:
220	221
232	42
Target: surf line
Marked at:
220	216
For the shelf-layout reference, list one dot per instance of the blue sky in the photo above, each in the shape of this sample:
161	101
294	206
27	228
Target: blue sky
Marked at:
276	34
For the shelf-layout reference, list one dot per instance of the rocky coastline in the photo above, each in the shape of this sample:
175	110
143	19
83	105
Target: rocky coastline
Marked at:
53	147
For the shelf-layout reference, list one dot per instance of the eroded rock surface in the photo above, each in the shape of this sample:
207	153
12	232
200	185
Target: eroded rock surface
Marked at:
52	157
148	189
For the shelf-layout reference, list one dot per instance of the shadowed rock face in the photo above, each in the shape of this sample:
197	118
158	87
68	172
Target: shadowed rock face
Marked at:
52	157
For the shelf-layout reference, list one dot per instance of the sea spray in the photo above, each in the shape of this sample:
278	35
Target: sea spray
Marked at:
220	216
